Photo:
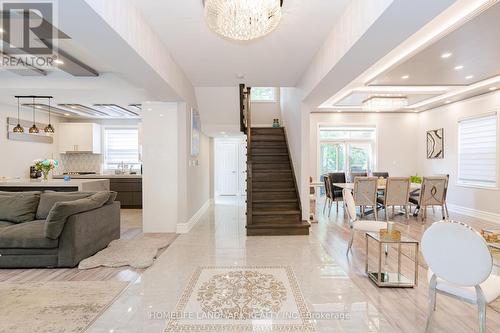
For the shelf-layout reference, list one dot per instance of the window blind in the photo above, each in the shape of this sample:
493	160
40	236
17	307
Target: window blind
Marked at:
121	145
478	150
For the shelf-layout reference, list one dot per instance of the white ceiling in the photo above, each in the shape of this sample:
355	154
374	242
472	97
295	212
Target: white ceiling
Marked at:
278	59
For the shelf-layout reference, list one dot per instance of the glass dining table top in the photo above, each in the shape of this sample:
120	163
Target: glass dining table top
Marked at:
350	186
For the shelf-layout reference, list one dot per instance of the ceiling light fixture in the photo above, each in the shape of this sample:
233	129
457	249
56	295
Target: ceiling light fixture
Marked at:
457	68
49	128
404	77
59	61
492	88
468	77
18	128
243	20
33	129
384	103
447	102
446	55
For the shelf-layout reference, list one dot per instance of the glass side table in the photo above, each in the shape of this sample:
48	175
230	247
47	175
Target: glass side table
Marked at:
391	279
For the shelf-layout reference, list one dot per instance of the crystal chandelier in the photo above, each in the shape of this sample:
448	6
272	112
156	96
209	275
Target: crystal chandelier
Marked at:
385	103
243	19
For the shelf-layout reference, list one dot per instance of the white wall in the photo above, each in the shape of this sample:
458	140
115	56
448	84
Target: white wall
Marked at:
219	109
447	117
396	139
18	156
295	117
263	113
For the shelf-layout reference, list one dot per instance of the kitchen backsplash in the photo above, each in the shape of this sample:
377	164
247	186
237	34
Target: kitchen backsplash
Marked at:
81	162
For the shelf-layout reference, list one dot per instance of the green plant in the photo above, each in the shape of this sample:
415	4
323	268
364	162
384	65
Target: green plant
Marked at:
416	179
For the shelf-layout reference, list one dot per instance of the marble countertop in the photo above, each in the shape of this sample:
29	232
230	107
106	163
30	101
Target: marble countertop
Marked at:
42	183
98	176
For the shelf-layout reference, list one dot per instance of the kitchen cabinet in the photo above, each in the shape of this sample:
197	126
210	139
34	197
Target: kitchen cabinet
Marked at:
79	137
129	191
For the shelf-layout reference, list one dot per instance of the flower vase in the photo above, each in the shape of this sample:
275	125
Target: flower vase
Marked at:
45	175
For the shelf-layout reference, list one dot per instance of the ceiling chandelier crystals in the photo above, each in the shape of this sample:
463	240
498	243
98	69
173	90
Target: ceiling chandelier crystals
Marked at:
243	20
385	103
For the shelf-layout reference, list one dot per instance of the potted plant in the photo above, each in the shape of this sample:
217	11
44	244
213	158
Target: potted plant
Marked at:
45	166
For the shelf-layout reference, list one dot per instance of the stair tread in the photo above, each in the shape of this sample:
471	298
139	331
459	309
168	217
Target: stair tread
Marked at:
275	201
302	224
268	154
285	189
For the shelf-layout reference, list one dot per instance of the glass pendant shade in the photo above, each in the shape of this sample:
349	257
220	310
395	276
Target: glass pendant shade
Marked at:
243	19
33	129
49	128
18	128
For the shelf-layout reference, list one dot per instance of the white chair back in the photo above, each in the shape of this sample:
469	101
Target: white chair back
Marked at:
433	191
456	253
350	205
397	191
365	191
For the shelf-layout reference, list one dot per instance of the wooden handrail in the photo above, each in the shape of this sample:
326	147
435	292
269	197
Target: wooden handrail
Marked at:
246	127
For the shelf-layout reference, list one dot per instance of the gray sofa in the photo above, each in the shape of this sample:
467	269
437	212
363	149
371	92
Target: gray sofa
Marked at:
55	229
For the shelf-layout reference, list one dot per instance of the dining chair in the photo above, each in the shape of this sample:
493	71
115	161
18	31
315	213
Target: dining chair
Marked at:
432	193
365	194
358	225
384	175
336	177
353	175
460	265
397	193
328	193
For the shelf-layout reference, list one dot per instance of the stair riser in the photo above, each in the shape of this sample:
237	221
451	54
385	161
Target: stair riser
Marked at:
274	176
272	184
274	195
277	206
268	138
270	158
277	232
271	166
262	219
268	151
257	131
268	144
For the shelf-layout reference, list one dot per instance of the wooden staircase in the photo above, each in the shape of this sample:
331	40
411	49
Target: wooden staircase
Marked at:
273	202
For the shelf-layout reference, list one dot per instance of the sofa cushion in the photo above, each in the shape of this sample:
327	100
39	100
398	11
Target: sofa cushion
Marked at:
5	224
18	207
28	235
49	199
62	210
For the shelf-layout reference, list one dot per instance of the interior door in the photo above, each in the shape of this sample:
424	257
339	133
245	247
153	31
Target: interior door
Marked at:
242	170
227	160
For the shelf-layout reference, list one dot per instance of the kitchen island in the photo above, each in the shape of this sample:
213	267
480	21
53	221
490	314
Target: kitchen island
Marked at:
58	185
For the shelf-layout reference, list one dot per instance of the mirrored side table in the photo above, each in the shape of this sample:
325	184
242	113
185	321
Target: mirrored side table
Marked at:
391	279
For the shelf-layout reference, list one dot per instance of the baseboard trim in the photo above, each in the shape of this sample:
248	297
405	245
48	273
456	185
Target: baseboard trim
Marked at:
480	214
184	228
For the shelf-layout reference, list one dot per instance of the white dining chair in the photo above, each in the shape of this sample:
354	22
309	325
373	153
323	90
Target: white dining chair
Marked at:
460	265
397	193
354	223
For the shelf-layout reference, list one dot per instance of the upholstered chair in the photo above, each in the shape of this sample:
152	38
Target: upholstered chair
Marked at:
460	265
384	175
336	177
365	194
358	225
328	193
397	193
353	175
432	193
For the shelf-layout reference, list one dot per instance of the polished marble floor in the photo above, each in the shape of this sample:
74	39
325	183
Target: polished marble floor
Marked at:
335	302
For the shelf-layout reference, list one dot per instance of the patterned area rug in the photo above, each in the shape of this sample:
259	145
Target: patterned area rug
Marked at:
241	299
138	252
48	307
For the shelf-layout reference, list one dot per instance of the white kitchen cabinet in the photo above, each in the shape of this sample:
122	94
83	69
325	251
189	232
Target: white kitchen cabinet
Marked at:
79	137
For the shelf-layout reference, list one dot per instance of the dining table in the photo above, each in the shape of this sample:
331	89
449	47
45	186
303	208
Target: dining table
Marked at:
381	187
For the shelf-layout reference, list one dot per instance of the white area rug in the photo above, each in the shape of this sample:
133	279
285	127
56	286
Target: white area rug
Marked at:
241	299
137	252
49	307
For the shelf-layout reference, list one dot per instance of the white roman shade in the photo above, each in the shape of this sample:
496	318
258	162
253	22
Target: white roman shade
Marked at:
121	145
477	144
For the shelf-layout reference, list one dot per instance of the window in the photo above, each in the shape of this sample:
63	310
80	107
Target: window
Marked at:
477	144
346	149
263	94
121	144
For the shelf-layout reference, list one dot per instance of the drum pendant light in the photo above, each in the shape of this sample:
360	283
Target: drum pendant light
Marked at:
18	128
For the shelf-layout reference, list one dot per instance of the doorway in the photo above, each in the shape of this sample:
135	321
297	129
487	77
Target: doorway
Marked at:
230	166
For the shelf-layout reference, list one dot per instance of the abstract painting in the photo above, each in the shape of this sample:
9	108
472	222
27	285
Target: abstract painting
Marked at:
435	144
195	132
